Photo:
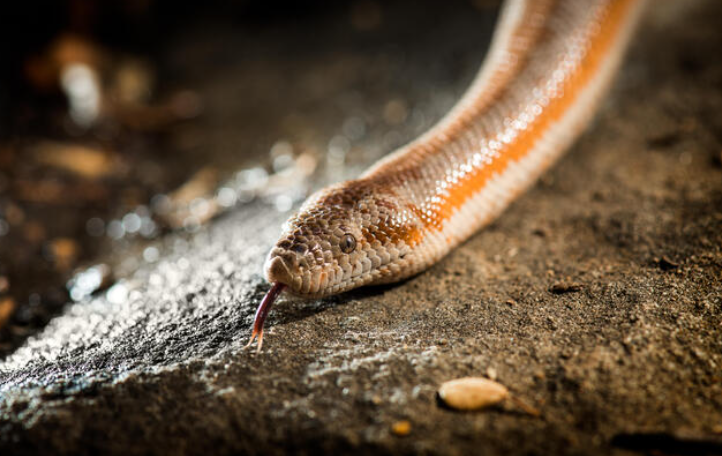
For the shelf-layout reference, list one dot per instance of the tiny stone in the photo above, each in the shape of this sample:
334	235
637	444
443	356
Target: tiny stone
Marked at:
472	393
510	302
401	428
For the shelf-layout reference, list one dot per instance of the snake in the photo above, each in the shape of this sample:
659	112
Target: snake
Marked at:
548	66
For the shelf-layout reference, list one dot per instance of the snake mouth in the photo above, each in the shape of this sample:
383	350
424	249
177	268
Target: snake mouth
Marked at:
277	271
284	268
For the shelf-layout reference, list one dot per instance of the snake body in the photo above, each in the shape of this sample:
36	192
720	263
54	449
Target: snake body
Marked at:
548	65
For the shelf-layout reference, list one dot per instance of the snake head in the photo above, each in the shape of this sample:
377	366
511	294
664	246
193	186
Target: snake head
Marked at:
343	237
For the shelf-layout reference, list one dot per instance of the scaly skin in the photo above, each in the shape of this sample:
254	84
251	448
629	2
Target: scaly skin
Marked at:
549	64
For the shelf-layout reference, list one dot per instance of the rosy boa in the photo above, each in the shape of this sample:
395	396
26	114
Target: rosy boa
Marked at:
548	66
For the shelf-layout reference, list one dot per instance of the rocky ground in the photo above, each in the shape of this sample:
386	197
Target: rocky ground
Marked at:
595	298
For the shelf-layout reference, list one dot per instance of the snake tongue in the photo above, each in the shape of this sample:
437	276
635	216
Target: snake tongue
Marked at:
262	312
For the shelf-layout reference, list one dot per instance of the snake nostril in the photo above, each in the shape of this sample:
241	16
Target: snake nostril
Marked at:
299	248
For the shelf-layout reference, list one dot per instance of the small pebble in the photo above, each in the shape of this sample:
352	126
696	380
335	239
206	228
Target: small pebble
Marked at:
401	428
472	393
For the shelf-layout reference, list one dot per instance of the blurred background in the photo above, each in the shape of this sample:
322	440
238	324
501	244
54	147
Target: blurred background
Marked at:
124	120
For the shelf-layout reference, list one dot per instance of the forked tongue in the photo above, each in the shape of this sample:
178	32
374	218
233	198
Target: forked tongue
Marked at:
262	313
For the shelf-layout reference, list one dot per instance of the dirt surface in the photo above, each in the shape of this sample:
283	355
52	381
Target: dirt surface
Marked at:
595	298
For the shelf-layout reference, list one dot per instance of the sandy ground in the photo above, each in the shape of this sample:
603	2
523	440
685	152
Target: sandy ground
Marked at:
596	298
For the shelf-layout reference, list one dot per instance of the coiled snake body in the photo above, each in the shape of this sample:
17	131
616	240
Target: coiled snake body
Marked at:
549	63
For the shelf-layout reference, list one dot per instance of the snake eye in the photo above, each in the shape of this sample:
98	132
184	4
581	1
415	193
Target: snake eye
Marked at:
348	243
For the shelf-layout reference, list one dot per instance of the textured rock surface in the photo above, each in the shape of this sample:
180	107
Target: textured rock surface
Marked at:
632	217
